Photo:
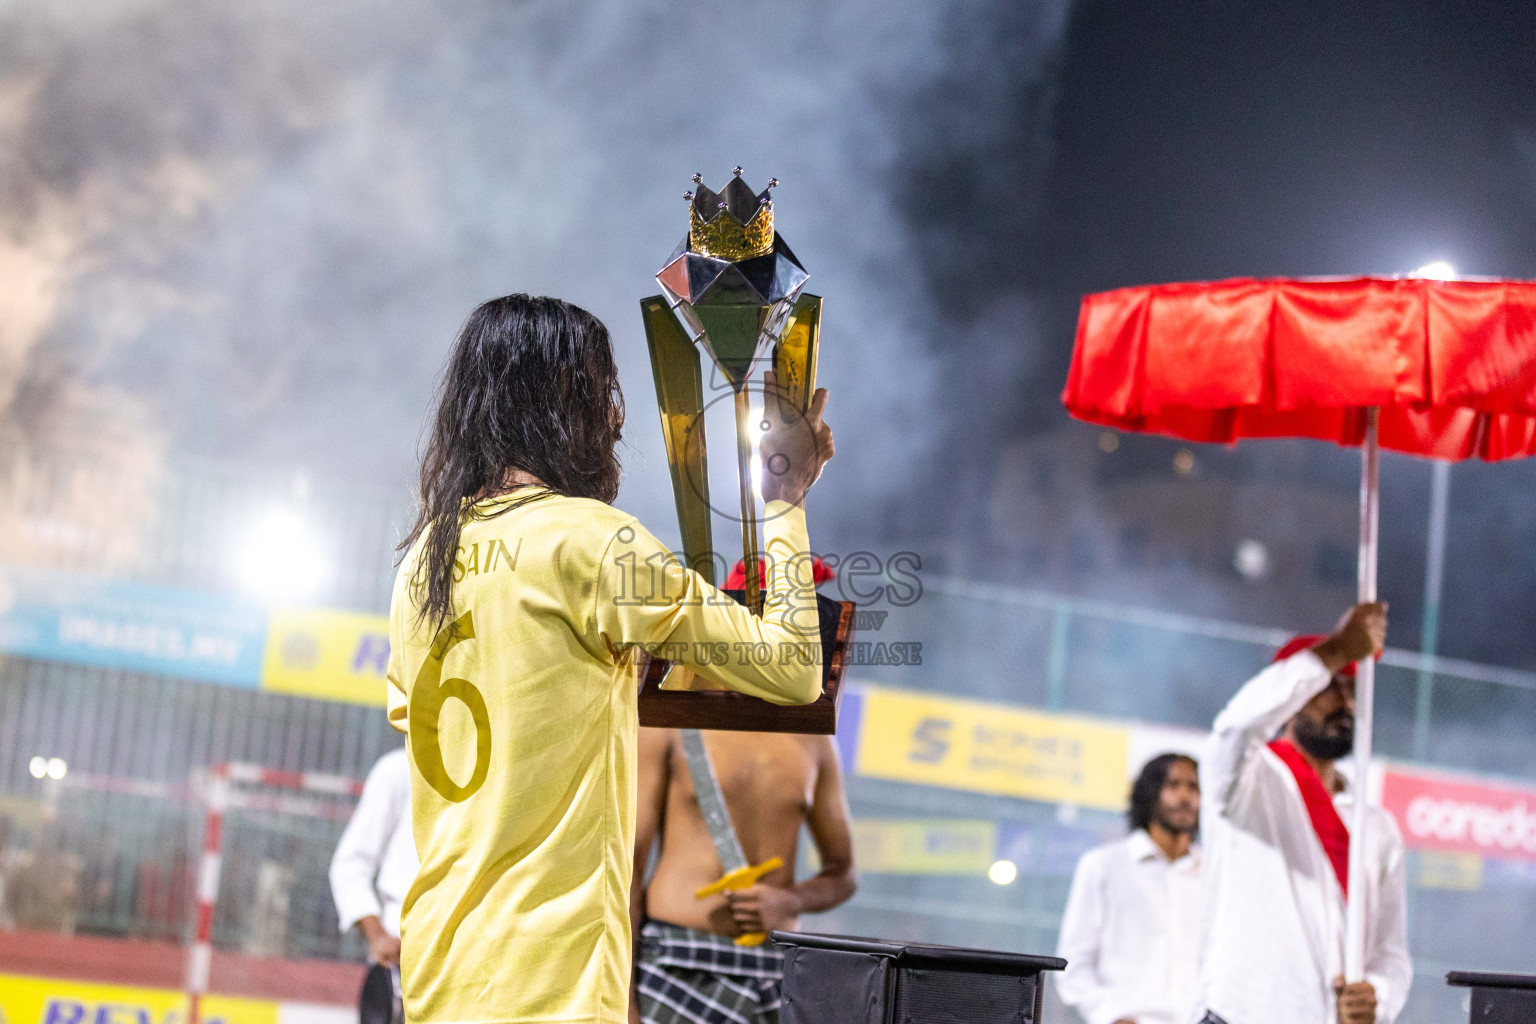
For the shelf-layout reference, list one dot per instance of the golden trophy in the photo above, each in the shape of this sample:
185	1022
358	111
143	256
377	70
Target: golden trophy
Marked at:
734	289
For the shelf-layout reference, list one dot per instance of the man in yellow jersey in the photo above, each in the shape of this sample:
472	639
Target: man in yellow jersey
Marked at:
516	611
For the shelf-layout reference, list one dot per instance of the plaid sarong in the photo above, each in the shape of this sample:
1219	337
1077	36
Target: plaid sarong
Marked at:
692	977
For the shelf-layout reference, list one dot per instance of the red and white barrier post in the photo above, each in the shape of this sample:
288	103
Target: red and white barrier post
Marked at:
220	795
200	957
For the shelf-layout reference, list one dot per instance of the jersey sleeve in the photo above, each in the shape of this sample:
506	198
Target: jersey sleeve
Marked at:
646	597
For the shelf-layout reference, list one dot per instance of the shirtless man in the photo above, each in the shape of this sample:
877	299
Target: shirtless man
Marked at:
687	968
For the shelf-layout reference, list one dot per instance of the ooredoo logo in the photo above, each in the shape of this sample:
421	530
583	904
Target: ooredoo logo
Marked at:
1511	828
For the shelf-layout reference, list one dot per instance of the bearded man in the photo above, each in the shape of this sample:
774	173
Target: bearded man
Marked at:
1277	846
1131	930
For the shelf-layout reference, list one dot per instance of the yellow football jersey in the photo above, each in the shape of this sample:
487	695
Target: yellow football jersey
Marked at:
520	727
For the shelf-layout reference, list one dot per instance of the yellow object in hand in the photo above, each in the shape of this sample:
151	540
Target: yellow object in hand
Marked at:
742	878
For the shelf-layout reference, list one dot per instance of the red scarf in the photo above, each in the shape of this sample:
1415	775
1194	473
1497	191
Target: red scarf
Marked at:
1325	817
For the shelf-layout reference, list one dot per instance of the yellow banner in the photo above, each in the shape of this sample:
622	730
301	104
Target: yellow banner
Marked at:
940	846
328	655
26	1000
992	748
1456	871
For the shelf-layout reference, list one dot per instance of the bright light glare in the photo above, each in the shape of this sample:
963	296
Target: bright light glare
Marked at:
1436	271
280	559
1251	560
57	769
1003	872
38	766
757	429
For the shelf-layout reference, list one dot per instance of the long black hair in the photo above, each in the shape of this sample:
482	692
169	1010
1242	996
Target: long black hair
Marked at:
1149	786
530	384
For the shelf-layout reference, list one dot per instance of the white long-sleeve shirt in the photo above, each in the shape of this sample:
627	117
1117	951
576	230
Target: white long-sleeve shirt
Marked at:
1130	934
375	862
1274	920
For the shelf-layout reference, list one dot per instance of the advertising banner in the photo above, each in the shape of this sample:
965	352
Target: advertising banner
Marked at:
1460	872
327	655
167	631
25	1000
964	846
991	748
939	846
1458	815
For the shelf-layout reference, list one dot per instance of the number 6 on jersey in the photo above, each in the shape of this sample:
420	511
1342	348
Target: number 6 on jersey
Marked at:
427	697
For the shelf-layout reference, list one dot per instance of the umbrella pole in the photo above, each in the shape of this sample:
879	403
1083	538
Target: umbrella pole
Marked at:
1365	699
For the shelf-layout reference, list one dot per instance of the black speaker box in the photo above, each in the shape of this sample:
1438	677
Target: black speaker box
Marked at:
833	979
1499	998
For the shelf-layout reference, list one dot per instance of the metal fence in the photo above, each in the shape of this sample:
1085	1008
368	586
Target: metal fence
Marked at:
1030	647
109	849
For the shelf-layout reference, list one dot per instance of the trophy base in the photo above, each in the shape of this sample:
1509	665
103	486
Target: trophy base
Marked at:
664	704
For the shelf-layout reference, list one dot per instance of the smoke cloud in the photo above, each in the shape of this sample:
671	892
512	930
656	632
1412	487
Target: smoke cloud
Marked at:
265	223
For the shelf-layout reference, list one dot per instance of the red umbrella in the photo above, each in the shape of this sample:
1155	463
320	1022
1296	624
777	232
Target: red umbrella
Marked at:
1441	369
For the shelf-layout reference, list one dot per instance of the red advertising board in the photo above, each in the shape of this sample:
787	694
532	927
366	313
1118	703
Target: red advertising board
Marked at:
1443	812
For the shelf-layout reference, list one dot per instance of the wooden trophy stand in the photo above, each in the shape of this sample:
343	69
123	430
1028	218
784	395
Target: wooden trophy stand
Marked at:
674	697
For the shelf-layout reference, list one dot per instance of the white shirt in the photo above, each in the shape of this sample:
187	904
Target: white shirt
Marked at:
1130	934
1274	924
375	861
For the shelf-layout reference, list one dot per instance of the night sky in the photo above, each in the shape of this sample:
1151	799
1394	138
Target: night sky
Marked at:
1205	141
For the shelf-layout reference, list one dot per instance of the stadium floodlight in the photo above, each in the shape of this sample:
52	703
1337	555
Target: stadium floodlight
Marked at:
1003	872
57	768
281	558
38	766
1436	271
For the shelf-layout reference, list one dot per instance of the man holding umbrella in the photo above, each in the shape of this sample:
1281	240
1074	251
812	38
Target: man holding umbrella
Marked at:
1277	847
1437	369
